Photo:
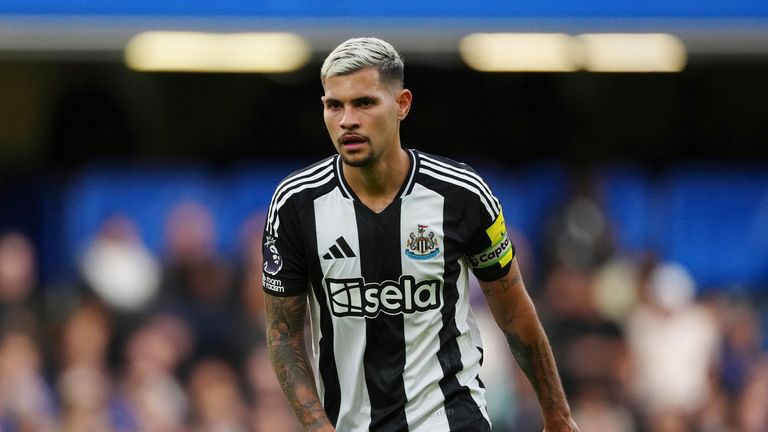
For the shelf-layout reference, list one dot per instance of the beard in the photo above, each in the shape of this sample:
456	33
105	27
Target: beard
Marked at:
358	162
358	159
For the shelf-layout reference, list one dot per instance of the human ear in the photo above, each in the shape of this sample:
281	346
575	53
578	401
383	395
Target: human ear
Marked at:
404	99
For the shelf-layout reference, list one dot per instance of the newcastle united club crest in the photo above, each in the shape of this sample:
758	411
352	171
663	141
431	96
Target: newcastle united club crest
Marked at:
422	244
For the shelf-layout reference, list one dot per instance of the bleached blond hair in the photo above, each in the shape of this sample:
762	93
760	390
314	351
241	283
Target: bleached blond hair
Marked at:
355	54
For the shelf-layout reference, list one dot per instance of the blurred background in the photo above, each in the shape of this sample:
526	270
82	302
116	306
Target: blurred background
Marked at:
140	143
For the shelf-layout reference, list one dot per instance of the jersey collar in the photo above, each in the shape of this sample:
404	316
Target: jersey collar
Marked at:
405	189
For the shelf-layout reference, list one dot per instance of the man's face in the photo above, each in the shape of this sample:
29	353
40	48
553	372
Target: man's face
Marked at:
362	115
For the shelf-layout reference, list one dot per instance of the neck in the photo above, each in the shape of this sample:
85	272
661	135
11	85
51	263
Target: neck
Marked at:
377	185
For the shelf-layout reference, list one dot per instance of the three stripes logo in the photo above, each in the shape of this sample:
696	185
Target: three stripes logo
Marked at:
340	249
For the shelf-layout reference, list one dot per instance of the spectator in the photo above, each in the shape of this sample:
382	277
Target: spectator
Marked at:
752	405
591	347
250	279
596	410
215	398
85	396
18	283
85	338
741	349
26	401
119	269
578	235
674	342
149	384
84	381
198	284
269	411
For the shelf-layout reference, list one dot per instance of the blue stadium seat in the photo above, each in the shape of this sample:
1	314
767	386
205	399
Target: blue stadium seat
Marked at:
627	195
145	195
715	222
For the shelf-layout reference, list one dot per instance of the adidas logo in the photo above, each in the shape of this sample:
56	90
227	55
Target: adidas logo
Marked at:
340	249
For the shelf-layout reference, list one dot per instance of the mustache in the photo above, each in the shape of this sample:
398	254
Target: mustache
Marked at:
351	135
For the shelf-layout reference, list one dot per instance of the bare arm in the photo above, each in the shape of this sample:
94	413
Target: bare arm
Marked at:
285	341
513	311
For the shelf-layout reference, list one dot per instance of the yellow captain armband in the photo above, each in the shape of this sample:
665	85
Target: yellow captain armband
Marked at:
501	250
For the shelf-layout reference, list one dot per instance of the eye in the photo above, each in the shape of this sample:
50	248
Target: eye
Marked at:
365	102
332	104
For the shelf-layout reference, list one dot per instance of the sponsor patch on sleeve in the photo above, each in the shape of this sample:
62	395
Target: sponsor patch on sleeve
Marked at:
501	250
273	285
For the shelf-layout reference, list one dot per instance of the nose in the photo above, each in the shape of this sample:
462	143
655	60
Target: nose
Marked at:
349	120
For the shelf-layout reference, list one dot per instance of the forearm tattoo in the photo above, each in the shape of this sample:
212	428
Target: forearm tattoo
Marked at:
285	339
536	361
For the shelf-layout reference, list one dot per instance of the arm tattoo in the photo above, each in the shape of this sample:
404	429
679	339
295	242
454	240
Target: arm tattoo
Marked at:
514	312
535	359
505	283
285	339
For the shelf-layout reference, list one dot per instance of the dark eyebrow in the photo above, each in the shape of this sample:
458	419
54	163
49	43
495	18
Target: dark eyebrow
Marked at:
356	101
364	99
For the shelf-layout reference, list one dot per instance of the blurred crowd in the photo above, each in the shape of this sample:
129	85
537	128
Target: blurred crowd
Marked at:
639	346
139	342
174	341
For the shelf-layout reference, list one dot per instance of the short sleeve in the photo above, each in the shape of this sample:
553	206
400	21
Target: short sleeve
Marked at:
490	250
284	263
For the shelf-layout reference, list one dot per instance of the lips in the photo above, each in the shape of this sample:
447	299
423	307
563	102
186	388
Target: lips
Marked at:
352	139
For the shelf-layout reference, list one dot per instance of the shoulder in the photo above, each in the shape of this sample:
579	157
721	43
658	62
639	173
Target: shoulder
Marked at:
316	171
455	179
306	180
300	188
433	160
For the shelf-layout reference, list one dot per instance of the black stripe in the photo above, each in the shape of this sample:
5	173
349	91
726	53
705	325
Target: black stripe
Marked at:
274	208
327	359
473	187
458	168
336	252
480	382
482	358
384	357
460	408
291	182
345	247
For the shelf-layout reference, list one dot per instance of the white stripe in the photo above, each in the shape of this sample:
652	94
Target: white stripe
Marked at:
468	341
425	409
276	224
290	187
469	187
316	334
457	169
340	174
412	173
334	217
470	176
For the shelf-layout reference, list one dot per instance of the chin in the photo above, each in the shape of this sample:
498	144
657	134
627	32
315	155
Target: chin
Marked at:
357	162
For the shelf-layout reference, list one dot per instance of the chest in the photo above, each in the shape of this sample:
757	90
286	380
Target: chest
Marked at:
413	236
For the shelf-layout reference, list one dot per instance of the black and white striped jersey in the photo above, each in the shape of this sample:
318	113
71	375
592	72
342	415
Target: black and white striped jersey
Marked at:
395	343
